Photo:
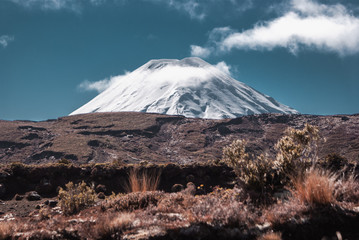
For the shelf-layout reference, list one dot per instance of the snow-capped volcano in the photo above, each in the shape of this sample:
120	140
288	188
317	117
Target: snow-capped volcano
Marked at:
189	87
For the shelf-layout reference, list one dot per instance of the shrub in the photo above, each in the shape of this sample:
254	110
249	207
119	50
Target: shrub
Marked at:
296	151
271	236
16	166
133	201
317	187
254	173
110	227
76	197
141	182
334	162
64	161
7	229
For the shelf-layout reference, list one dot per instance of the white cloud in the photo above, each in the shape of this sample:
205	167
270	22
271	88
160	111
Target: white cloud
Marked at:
50	4
306	25
5	39
224	67
241	5
311	7
195	9
192	7
72	5
101	85
98	86
200	9
198	51
97	2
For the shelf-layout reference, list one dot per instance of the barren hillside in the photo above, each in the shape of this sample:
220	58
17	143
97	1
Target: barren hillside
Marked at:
133	137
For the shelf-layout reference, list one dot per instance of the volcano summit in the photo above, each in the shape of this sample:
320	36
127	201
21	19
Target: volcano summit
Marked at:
190	87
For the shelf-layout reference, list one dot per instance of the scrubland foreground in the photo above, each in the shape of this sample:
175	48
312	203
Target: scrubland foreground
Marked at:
296	195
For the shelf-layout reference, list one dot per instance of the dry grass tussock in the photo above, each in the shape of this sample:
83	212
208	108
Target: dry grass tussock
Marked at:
142	181
317	187
347	189
323	187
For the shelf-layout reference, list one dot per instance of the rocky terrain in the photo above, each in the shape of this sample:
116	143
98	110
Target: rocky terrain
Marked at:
197	197
130	137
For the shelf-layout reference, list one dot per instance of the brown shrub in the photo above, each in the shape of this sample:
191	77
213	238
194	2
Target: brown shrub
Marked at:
271	236
296	151
110	227
222	207
133	201
334	162
44	213
64	161
282	212
255	173
317	187
221	212
76	197
7	229
175	202
141	182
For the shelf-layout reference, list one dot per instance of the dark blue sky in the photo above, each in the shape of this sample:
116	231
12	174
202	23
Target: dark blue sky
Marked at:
303	53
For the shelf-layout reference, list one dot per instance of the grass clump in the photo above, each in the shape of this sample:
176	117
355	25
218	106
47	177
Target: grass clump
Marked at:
142	181
76	197
317	187
347	189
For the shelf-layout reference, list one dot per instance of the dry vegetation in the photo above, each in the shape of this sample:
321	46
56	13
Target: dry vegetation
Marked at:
316	188
142	181
7	229
271	236
294	196
76	197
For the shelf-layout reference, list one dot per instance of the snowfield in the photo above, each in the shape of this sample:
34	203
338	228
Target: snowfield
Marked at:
189	87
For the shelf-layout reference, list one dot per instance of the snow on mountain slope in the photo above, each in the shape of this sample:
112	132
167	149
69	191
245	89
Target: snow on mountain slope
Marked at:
189	87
